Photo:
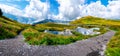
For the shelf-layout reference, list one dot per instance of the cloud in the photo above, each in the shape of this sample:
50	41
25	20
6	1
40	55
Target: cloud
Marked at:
35	9
11	10
114	7
95	9
68	10
71	10
112	10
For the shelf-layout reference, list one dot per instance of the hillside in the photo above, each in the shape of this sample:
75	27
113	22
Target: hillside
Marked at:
113	48
96	20
9	28
52	26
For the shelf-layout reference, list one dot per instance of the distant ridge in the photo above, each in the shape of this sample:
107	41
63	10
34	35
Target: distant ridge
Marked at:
52	21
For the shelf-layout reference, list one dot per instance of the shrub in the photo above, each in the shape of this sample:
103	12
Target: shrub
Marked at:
1	13
6	34
113	52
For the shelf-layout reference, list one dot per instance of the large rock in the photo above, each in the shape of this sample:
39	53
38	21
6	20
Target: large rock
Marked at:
85	31
66	32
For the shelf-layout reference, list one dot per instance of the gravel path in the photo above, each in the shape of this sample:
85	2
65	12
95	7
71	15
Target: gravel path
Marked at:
90	47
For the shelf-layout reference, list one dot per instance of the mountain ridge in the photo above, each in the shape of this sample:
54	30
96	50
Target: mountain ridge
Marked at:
52	21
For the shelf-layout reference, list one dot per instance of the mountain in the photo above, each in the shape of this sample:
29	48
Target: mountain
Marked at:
20	19
44	21
95	20
26	20
52	21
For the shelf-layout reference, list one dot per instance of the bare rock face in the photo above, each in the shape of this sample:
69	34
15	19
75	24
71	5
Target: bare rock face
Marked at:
85	31
66	32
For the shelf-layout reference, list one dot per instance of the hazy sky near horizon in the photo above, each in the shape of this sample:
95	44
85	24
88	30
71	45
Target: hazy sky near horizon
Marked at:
60	9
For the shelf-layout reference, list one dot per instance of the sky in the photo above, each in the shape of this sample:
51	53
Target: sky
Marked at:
31	11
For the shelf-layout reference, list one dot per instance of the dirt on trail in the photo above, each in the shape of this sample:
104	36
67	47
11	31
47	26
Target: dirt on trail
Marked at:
90	47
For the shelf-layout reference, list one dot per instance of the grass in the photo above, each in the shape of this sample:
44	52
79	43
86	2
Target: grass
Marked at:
39	38
9	28
113	51
113	47
35	36
96	21
6	33
52	26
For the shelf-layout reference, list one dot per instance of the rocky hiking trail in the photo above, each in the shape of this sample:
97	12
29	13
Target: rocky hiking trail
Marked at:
90	47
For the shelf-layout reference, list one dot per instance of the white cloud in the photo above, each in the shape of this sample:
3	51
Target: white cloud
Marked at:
70	9
112	10
95	9
36	9
11	10
114	7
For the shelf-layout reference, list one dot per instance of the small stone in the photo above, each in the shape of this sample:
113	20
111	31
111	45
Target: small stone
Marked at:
0	52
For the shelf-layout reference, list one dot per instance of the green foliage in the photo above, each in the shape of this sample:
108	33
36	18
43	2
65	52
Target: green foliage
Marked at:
56	41
113	52
113	48
9	28
5	33
34	37
95	21
53	26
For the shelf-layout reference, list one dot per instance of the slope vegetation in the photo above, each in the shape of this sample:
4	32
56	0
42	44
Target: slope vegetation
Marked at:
9	28
113	48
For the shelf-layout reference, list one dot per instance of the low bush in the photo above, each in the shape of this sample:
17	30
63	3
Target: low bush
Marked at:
113	47
113	51
4	34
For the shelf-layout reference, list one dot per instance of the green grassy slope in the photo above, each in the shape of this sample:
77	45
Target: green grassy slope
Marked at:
95	20
53	26
113	48
9	28
36	36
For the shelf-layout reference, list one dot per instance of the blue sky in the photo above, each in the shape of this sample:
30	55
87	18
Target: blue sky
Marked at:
53	4
20	4
60	9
